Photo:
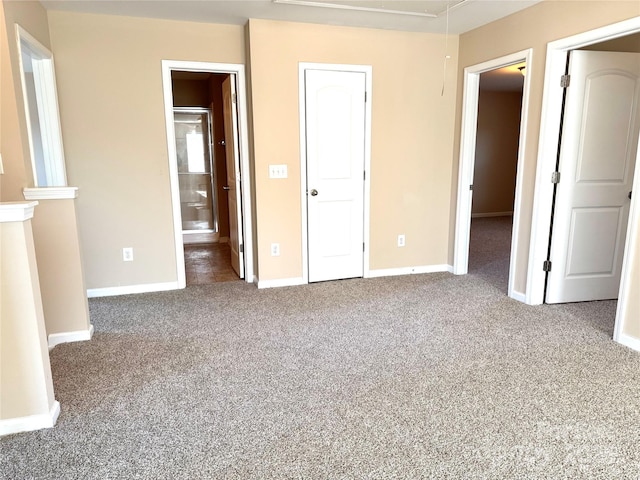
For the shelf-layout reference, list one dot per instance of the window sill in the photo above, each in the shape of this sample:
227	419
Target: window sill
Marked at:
50	193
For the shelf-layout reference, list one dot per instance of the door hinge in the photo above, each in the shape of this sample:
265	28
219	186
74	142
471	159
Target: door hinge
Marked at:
546	266
555	177
364	175
565	80
365	97
241	248
471	187
234	98
363	246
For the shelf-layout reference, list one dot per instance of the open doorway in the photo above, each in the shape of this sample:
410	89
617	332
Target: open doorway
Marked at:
198	119
508	203
494	177
205	114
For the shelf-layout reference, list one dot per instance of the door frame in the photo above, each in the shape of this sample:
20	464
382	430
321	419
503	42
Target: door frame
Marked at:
547	149
547	152
243	151
367	70
469	128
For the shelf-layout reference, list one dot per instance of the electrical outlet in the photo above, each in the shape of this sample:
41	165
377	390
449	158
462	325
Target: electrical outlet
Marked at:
401	240
127	254
275	249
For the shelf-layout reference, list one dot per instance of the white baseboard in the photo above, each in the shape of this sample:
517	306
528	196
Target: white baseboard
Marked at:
129	289
67	337
491	214
629	341
32	422
289	282
390	272
281	282
519	296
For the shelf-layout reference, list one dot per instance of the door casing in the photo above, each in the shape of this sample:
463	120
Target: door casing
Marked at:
367	70
468	133
239	71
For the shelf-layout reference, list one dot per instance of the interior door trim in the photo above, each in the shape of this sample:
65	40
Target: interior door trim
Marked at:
238	71
367	70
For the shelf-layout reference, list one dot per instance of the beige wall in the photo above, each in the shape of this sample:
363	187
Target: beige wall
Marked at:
412	137
629	43
58	254
14	142
55	230
112	112
530	28
494	178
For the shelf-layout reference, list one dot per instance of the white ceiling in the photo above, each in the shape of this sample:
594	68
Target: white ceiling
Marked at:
408	15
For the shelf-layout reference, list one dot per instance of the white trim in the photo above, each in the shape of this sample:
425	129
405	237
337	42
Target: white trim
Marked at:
30	423
130	289
50	193
491	214
632	246
245	176
281	282
629	341
471	96
548	145
392	272
47	105
68	337
519	296
368	71
16	211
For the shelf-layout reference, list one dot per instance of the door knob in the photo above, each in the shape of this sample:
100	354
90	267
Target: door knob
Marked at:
630	194
226	187
314	192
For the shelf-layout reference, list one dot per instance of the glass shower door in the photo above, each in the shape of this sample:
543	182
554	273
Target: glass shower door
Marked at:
195	170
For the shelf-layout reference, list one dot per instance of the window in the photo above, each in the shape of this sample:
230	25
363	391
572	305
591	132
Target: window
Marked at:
41	111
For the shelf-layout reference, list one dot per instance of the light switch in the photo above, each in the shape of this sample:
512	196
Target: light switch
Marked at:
278	171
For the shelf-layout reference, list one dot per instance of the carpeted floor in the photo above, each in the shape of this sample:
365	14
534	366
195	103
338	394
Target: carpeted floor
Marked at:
421	376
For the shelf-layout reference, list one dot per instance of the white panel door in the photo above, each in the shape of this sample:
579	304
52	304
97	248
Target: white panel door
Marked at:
233	173
335	135
597	160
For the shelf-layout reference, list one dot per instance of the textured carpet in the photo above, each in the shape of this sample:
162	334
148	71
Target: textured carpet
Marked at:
422	376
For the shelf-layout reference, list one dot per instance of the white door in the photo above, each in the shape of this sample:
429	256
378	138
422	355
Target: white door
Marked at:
335	135
233	173
597	159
